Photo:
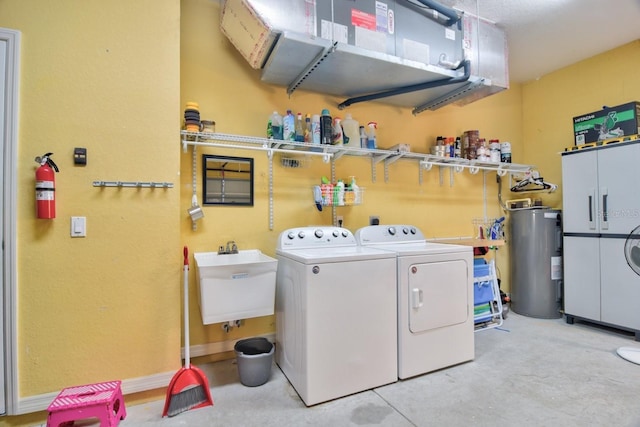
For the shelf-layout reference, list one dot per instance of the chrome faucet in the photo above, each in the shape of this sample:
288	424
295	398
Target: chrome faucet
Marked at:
231	248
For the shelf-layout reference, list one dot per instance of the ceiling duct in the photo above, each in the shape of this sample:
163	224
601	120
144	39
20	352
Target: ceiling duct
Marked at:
404	53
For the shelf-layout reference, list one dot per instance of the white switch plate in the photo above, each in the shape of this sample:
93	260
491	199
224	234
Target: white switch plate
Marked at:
78	226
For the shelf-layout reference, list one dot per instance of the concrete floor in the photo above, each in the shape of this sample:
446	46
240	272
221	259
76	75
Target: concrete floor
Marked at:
529	372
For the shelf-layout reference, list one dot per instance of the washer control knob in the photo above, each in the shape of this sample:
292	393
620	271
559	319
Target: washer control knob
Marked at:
318	233
345	234
405	230
336	233
291	235
413	230
301	234
392	231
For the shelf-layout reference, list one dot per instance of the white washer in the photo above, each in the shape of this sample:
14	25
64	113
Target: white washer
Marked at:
336	313
435	298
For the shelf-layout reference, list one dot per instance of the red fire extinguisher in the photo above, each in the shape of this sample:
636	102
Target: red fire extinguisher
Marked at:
46	187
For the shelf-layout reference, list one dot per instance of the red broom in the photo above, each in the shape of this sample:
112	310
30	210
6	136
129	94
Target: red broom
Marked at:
189	387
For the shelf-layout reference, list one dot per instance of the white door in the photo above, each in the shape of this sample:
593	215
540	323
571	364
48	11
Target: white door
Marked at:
9	59
582	277
579	192
437	295
619	192
3	54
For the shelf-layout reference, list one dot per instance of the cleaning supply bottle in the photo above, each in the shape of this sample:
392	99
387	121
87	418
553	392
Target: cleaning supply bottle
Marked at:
289	127
326	127
340	191
371	136
315	129
299	128
336	136
356	191
307	129
363	137
275	123
350	131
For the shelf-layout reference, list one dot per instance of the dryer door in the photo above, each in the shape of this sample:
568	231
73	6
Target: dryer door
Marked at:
438	293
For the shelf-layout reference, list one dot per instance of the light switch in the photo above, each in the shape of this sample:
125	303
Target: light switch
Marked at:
78	226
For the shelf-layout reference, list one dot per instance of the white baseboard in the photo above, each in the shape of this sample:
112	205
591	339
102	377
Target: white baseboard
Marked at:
41	402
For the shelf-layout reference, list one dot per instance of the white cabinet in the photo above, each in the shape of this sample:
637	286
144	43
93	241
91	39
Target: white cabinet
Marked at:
601	204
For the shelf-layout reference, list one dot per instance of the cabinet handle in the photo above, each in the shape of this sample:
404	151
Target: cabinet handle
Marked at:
605	213
592	208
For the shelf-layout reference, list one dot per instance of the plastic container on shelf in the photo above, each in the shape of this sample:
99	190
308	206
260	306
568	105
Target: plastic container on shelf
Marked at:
315	129
336	137
299	129
363	137
371	136
274	129
289	127
351	131
326	127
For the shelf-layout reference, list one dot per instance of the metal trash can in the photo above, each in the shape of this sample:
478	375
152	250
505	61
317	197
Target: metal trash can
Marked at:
254	357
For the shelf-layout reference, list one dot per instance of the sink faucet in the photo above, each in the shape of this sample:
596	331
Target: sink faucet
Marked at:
231	248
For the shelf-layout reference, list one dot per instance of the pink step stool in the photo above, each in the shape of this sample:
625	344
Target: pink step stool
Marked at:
102	400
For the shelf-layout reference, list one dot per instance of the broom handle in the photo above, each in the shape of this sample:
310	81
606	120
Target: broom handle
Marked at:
185	268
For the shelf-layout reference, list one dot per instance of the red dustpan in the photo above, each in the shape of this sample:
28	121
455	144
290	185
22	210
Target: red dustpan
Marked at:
189	387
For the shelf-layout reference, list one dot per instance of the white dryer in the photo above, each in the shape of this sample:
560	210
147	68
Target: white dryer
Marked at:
335	313
435	298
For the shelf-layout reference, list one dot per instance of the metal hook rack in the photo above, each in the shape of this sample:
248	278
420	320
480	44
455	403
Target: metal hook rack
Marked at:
133	184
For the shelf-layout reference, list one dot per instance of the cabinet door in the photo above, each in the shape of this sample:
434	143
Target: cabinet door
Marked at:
579	192
620	286
582	277
619	188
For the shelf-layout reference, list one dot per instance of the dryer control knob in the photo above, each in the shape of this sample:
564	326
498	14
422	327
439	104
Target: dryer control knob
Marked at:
319	233
336	233
392	231
405	230
345	234
291	235
301	234
413	230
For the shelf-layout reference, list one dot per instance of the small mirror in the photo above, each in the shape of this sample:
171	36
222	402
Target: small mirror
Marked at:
227	180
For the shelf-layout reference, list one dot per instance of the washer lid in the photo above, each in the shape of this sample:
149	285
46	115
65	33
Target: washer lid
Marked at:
409	249
335	254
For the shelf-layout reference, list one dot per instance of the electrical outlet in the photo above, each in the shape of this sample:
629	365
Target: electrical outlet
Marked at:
340	220
374	220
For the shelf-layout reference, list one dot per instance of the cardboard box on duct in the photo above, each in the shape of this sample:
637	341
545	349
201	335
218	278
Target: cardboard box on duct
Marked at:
253	26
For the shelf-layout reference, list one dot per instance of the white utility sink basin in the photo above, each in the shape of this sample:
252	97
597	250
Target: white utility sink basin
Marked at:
235	286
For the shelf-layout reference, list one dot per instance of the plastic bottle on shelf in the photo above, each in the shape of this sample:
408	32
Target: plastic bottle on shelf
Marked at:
307	129
340	191
356	191
315	129
371	136
275	123
289	127
351	131
299	136
326	127
363	137
336	136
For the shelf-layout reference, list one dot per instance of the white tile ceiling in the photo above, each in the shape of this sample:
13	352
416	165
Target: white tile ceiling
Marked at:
546	35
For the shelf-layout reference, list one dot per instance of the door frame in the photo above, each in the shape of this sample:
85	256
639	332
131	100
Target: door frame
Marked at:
8	219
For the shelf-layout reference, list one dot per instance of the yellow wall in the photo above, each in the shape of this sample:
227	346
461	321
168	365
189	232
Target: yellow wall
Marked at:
104	76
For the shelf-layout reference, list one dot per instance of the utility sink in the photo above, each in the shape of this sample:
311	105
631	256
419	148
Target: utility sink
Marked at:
235	286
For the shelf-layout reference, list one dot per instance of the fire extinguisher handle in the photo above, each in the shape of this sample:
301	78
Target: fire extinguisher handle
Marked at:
52	164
